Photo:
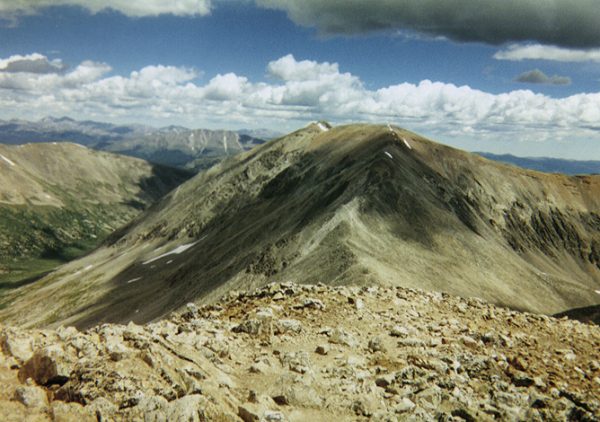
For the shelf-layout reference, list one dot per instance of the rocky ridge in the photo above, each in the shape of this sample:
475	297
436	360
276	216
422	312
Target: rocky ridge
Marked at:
290	352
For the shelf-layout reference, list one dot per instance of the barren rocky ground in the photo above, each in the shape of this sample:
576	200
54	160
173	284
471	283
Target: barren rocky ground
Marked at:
292	352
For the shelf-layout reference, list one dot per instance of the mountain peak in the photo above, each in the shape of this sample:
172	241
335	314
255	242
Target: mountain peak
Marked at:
352	204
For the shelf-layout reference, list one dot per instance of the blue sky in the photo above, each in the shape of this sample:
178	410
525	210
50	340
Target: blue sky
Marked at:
280	64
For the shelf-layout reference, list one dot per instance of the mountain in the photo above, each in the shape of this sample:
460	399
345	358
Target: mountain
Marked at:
174	146
58	200
548	165
309	353
265	134
50	129
180	147
356	204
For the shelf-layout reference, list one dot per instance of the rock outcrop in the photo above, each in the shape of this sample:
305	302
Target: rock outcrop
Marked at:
292	352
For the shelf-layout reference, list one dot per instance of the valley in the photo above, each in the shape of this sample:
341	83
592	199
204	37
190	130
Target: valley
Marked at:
59	201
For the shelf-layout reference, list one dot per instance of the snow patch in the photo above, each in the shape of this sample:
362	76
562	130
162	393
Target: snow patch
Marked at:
390	127
7	160
388	154
322	127
133	280
89	267
406	143
178	250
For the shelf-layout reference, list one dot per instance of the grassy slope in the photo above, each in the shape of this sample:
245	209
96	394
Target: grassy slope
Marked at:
61	201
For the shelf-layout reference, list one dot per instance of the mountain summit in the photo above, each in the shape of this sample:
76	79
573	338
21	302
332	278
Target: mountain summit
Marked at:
359	204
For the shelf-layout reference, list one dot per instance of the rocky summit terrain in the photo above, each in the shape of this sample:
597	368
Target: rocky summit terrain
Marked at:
356	204
290	352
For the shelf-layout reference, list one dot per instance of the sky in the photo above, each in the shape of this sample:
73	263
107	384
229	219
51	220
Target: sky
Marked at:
505	76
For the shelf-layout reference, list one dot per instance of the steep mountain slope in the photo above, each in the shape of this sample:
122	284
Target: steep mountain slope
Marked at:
548	165
175	146
361	204
59	200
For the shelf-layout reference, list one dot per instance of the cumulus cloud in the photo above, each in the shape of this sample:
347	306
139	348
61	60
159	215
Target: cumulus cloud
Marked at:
536	76
32	63
133	8
295	92
556	22
518	52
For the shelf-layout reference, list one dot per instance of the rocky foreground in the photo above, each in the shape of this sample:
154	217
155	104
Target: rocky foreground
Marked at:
295	353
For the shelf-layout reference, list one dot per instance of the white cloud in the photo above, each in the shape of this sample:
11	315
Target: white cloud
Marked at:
517	52
133	8
296	91
226	87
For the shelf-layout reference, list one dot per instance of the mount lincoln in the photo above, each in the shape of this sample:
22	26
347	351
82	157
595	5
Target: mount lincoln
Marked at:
356	204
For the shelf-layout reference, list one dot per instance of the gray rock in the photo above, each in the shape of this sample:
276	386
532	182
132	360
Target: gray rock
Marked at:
187	409
31	397
16	345
340	336
405	405
399	331
311	303
376	345
296	361
284	326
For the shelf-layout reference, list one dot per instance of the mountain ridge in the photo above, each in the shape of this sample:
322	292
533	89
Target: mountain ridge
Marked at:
175	146
356	204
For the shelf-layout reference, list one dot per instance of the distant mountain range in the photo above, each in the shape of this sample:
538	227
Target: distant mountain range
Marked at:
177	146
546	164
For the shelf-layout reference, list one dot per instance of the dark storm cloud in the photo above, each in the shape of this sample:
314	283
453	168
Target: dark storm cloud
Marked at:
536	76
559	22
